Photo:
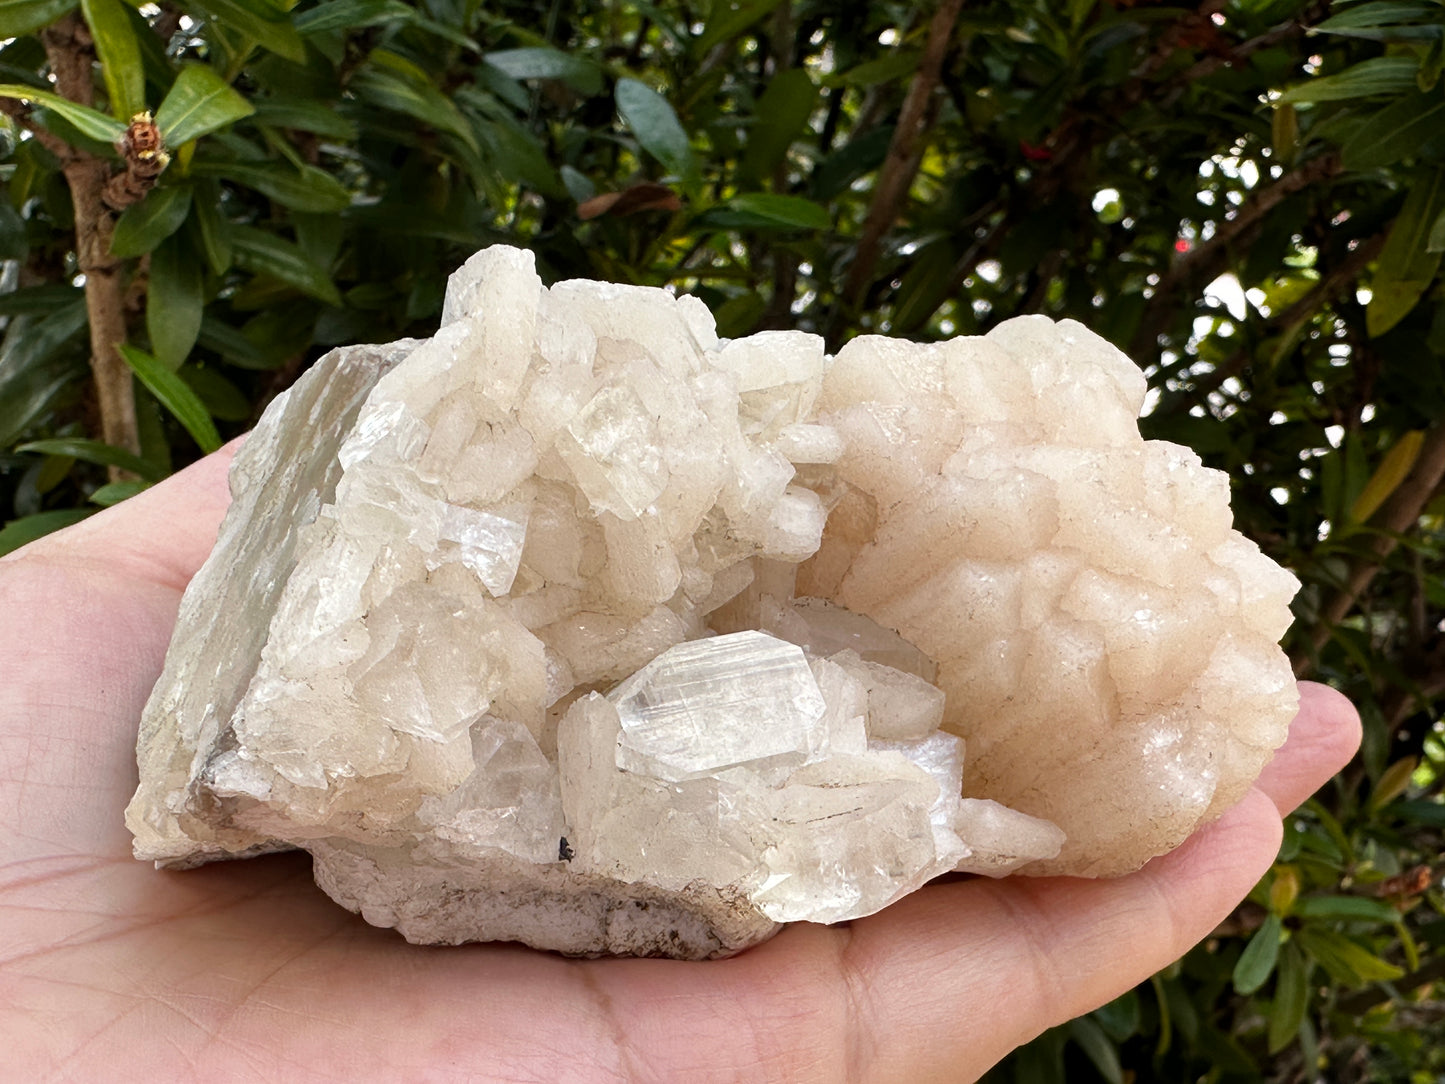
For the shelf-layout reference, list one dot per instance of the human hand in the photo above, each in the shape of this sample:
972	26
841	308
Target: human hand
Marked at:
237	971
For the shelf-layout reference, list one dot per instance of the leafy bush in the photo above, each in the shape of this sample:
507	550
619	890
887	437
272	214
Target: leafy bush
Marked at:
1248	195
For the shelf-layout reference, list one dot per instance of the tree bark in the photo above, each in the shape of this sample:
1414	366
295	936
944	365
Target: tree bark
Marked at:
901	163
71	54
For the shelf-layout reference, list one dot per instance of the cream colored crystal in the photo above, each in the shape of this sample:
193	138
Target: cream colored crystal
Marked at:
577	626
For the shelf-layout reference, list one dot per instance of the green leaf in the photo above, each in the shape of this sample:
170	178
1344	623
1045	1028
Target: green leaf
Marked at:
264	253
265	23
1291	999
446	32
115	492
782	114
65	304
1384	21
155	63
1120	1017
305	115
542	62
393	83
353	15
1347	907
308	189
765	211
221	397
229	343
26	529
1386	478
19	17
1346	961
175	395
894	65
199	102
497	84
515	151
1395	132
1407	266
1343	848
1259	956
14	242
320	237
119	53
1420	811
144	225
855	158
35	366
87	121
94	451
728	19
579	186
925	285
655	124
174	302
1431	66
211	226
1436	241
54	469
155	442
739	315
1380	75
1099	1048
1396	779
1042	1060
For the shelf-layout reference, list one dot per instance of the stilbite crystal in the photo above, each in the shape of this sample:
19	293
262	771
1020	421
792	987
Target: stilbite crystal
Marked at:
577	626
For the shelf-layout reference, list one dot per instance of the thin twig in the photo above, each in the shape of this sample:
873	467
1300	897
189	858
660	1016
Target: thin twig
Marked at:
1339	278
1210	64
1422	683
1080	127
901	163
1208	260
1398	514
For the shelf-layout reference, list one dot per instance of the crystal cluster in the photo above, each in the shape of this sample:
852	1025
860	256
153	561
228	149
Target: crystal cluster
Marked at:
578	626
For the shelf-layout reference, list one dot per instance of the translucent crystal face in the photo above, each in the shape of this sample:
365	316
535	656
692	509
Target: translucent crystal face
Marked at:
744	700
575	625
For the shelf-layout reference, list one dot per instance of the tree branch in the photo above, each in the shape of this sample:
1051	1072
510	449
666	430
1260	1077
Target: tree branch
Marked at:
1210	64
1396	516
1423	682
1208	260
901	163
1337	279
1357	1004
1080	127
71	53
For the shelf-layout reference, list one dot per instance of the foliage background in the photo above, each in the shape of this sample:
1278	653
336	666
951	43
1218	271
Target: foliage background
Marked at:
1247	195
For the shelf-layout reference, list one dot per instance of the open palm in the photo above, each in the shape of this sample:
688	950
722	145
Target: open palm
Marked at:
245	971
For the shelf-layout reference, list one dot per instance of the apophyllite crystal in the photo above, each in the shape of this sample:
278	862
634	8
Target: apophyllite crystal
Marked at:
578	626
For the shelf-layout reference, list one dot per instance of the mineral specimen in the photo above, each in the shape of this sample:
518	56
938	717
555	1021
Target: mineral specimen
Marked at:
578	626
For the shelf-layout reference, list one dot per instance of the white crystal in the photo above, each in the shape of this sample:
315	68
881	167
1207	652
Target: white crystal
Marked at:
488	544
1003	839
612	450
901	706
702	707
803	442
819	582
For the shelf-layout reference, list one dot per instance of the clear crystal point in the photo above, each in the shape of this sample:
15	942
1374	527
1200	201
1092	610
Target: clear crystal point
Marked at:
727	701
